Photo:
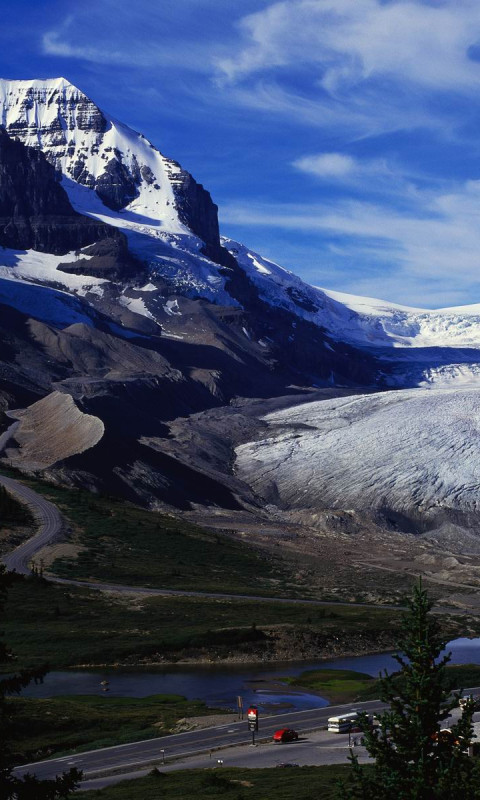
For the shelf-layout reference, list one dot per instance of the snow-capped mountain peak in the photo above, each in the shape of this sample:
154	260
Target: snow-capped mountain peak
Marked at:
114	174
92	149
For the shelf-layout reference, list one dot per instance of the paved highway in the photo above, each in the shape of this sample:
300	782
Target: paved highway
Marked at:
123	589
50	526
314	749
135	755
204	747
48	517
181	745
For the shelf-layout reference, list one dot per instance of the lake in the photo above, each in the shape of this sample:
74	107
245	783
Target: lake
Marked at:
219	685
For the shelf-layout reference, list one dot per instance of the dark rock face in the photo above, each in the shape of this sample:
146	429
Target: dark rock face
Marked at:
301	300
35	212
108	258
197	209
117	187
305	355
73	110
198	212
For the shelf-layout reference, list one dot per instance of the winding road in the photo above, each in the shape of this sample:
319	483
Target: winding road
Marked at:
49	520
51	527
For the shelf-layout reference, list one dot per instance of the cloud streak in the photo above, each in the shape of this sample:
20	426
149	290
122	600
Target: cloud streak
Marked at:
142	36
437	239
373	66
353	42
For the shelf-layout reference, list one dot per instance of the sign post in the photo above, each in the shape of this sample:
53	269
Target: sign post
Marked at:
252	720
240	706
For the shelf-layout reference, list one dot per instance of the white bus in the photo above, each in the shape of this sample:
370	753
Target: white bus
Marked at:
343	723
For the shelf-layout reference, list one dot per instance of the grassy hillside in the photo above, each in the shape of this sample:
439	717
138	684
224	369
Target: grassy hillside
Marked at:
70	626
122	543
339	685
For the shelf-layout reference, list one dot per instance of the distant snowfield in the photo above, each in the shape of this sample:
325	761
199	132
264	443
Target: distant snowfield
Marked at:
389	324
415	451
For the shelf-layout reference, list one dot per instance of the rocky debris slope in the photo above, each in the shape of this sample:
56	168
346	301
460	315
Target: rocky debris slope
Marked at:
277	644
51	430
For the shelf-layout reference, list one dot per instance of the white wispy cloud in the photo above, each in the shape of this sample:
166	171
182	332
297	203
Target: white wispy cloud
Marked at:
367	66
370	65
142	35
343	168
437	239
327	165
351	41
313	77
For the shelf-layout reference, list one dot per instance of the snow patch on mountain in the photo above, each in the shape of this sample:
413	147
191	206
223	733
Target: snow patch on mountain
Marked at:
36	267
361	321
452	375
114	174
82	141
136	305
171	256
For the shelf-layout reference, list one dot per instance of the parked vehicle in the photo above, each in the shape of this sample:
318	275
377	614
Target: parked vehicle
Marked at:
285	735
344	723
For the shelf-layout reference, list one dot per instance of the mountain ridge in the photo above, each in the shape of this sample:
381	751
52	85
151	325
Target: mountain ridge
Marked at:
155	335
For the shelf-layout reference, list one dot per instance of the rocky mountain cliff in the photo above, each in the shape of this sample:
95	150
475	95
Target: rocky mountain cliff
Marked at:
35	212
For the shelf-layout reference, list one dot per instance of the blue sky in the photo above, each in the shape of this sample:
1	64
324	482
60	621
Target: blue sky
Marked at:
338	137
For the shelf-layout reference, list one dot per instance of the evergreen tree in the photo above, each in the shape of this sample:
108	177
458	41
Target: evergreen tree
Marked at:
28	787
415	757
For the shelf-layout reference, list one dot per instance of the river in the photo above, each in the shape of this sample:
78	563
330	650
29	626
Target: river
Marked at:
219	685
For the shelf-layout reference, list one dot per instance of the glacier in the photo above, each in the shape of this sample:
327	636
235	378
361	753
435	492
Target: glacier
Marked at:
414	452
